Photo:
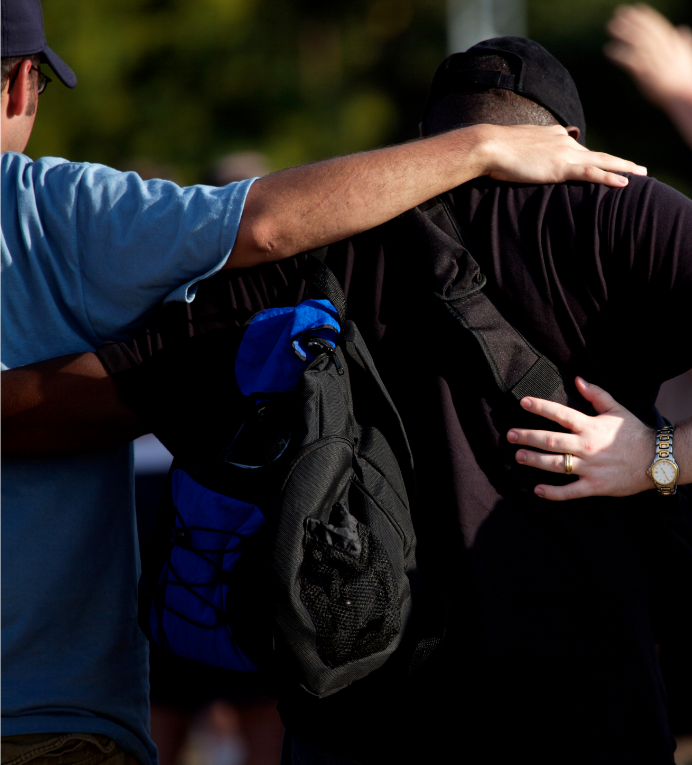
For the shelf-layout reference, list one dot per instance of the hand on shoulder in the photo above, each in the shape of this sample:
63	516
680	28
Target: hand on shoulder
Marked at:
533	154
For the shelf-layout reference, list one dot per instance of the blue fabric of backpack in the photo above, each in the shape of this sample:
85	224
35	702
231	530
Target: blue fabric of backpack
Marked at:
211	527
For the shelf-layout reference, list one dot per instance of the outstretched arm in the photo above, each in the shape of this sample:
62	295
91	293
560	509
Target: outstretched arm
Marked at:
306	207
611	451
658	57
63	406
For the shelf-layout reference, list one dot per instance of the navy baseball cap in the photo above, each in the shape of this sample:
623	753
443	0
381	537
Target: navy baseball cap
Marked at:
22	35
540	77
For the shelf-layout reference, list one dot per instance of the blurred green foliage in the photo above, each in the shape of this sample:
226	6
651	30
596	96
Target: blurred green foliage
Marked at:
181	82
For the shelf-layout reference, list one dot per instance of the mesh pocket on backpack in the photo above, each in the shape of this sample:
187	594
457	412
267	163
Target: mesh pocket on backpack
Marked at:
348	588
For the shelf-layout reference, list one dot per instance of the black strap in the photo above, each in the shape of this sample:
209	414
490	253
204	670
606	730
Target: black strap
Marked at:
321	278
517	367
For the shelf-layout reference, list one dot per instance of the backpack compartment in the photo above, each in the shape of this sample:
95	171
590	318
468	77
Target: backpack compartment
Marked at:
287	556
188	614
344	543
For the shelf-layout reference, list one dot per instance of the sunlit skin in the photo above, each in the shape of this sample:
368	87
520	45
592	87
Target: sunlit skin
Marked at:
19	108
611	450
658	57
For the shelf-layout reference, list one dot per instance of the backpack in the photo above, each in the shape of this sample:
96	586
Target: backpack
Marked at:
289	556
283	552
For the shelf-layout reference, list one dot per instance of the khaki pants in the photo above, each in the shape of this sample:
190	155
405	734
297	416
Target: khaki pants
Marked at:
63	749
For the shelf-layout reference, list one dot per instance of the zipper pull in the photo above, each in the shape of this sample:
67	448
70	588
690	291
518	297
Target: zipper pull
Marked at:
317	345
335	359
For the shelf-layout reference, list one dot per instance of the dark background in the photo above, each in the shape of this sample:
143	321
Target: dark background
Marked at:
179	83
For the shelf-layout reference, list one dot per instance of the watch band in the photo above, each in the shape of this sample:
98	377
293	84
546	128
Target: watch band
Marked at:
664	450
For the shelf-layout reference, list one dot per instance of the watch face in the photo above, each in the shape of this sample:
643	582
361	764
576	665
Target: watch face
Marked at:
664	472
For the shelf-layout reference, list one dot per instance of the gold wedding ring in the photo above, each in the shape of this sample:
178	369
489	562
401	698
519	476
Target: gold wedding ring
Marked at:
568	463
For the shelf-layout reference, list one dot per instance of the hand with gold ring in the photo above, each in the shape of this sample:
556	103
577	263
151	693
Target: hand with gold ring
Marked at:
609	452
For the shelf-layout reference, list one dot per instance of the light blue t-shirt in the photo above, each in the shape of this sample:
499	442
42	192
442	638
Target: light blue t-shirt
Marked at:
88	253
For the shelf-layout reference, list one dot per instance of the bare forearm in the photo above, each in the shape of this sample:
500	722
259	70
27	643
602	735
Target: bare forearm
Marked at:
306	207
63	406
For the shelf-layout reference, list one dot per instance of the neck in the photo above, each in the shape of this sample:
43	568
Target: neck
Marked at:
15	129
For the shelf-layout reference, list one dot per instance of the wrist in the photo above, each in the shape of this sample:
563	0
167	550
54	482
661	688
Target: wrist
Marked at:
469	150
647	453
664	471
481	148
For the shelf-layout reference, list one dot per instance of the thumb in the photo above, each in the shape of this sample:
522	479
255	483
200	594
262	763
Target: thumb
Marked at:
601	400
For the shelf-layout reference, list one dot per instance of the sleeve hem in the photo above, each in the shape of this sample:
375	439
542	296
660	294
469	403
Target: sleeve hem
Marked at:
187	292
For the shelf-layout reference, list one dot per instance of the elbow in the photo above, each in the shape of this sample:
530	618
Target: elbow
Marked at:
260	237
263	240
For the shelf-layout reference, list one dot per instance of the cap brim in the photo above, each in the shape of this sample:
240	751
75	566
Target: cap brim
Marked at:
65	74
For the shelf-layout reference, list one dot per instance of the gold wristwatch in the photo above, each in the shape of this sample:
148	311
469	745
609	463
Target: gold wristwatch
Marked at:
664	469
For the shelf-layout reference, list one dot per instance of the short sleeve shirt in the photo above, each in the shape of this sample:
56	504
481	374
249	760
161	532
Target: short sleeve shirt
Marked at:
88	254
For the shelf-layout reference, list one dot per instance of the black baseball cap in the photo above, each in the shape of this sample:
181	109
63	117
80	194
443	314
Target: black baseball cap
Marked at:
540	77
22	35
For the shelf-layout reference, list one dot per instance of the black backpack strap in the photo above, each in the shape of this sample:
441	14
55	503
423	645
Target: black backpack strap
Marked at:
321	279
517	367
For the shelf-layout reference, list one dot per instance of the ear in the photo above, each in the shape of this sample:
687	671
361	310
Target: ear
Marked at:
19	97
573	132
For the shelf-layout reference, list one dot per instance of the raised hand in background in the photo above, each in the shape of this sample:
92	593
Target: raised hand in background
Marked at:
658	57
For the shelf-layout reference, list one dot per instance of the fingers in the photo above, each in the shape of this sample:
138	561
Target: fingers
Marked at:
638	24
614	164
601	400
599	167
552	463
563	415
544	439
531	154
602	168
624	56
652	51
591	174
547	440
575	490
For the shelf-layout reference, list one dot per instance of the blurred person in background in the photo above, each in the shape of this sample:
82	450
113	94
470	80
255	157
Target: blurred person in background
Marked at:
658	57
88	254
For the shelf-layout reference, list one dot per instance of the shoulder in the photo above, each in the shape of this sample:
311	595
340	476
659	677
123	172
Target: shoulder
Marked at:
640	189
23	169
638	186
20	173
604	206
24	179
645	210
46	173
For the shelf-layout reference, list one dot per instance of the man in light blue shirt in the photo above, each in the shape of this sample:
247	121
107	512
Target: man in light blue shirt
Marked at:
88	253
